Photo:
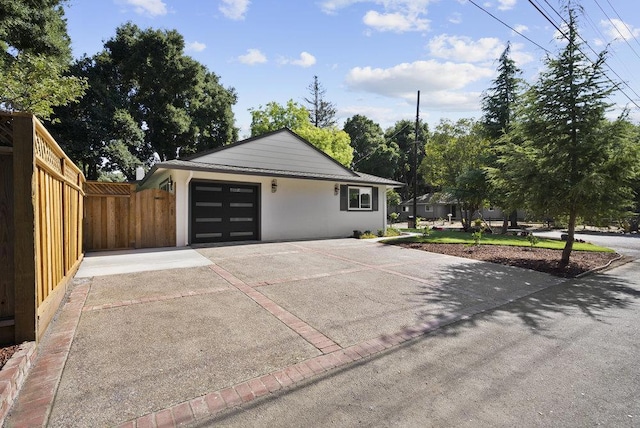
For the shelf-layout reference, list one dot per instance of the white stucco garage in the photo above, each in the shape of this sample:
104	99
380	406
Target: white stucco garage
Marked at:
272	187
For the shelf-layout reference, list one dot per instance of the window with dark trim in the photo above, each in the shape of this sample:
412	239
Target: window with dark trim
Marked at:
358	198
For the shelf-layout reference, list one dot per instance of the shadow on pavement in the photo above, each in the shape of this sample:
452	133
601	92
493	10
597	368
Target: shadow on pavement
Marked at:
592	296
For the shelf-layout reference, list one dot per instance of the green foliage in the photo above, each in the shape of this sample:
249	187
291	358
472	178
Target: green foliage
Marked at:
367	235
455	159
458	237
499	101
391	231
35	84
148	98
372	154
533	239
332	141
426	231
402	134
563	156
477	237
393	198
274	116
34	56
393	217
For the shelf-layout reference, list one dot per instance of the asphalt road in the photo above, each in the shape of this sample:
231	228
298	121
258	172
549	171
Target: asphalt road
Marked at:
567	356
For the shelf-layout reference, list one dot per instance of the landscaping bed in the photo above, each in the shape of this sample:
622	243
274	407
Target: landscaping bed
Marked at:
539	259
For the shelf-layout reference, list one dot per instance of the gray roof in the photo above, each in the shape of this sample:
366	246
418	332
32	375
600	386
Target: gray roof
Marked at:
281	153
188	165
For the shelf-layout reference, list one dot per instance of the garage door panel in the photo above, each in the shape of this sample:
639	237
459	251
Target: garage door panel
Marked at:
223	212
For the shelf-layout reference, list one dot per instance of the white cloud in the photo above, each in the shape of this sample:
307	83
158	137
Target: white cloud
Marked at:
460	48
390	15
234	9
195	47
519	56
520	28
506	4
305	60
619	30
148	7
253	56
396	22
455	18
403	80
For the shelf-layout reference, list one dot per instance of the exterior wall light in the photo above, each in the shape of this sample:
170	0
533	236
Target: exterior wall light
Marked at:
336	189
274	185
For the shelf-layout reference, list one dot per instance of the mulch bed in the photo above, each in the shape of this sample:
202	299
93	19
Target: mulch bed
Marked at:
538	259
6	353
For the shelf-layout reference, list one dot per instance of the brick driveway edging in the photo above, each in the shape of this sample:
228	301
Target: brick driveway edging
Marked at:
13	374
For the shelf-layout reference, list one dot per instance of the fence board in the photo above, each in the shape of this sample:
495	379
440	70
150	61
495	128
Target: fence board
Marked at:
117	217
42	250
7	300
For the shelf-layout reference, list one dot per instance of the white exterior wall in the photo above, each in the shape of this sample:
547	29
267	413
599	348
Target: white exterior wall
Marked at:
299	209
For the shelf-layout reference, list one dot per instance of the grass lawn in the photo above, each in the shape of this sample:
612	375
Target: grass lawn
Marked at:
458	237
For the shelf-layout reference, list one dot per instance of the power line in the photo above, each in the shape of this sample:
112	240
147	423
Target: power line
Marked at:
507	25
544	14
616	85
617	29
625	24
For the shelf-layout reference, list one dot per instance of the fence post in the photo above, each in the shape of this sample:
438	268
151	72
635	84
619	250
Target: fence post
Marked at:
24	228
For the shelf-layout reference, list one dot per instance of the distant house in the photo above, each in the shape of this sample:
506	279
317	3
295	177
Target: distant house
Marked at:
271	187
435	206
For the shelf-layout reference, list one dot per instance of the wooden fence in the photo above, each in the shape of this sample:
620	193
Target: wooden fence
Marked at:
118	217
41	206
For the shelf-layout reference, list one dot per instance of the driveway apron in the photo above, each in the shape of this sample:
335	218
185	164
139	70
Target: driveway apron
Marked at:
165	345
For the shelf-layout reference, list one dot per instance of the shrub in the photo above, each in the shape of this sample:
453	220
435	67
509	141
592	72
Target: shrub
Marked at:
533	240
426	232
367	235
392	232
393	217
357	234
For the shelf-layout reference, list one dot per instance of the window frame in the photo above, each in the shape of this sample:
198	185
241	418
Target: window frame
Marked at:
367	191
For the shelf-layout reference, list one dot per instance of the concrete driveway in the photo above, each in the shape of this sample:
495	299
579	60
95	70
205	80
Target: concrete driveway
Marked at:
176	345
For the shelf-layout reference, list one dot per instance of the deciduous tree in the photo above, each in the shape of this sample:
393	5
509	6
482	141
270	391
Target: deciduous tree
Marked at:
371	152
454	162
34	56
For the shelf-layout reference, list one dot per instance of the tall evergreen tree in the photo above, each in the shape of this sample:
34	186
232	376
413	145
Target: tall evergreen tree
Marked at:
322	113
498	106
565	158
499	101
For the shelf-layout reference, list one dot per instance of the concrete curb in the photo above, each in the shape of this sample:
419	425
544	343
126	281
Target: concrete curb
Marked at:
13	374
599	268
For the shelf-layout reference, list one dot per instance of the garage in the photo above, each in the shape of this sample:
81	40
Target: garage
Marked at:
224	212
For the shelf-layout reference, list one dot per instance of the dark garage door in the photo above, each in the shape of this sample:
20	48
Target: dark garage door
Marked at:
222	212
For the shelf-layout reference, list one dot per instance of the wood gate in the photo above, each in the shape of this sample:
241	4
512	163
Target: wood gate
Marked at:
118	217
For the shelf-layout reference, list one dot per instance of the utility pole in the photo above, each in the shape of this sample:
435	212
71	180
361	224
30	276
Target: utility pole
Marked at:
415	166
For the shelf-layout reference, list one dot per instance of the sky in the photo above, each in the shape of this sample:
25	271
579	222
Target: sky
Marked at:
371	56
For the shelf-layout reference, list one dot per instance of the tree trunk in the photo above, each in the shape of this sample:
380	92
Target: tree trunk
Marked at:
513	217
505	225
571	231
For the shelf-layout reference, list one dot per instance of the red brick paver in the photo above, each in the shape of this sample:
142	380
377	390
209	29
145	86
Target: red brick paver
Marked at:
33	405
